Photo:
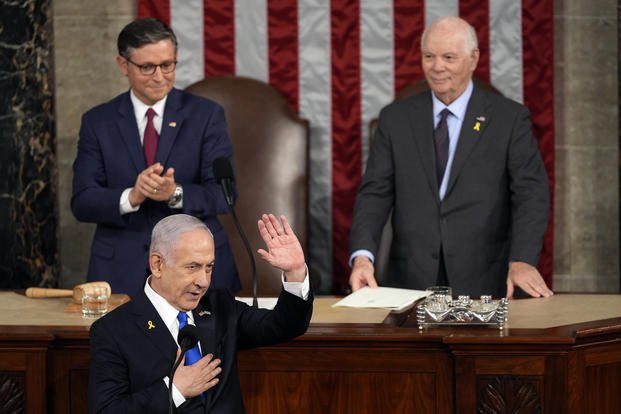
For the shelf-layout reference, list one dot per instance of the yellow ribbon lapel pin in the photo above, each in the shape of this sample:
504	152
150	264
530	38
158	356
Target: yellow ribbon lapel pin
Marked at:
150	325
477	125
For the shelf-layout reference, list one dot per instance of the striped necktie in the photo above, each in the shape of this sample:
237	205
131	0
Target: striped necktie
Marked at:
441	141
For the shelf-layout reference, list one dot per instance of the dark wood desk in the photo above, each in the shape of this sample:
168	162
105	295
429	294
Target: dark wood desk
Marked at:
558	355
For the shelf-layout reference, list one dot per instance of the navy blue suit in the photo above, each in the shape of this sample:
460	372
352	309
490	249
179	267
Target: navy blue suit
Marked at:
109	159
132	351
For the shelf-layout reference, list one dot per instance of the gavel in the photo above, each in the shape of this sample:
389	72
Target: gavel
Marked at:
77	292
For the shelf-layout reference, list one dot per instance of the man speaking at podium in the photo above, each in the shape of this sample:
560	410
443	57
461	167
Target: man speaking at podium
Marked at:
133	347
461	172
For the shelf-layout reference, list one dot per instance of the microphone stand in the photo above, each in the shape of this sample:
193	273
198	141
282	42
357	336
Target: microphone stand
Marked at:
253	265
170	378
223	173
187	339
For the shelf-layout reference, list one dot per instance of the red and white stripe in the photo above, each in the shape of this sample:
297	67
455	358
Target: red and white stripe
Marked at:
338	62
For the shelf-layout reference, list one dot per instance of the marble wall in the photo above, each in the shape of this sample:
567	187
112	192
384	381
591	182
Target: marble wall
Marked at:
586	248
586	238
86	75
28	192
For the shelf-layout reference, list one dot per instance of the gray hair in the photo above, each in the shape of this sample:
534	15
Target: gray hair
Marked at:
143	32
167	231
471	42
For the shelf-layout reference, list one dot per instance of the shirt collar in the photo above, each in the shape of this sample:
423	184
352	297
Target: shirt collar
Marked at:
457	107
167	312
140	108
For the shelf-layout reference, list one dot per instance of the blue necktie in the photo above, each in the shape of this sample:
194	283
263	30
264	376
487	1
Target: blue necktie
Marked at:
193	354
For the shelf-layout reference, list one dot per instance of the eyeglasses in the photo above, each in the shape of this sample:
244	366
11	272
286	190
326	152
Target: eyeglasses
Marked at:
149	68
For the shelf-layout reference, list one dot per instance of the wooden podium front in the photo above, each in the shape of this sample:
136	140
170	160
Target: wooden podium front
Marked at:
558	355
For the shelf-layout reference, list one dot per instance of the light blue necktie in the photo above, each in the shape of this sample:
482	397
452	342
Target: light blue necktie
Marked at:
193	354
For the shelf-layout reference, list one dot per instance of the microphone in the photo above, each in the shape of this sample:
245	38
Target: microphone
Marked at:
223	172
187	339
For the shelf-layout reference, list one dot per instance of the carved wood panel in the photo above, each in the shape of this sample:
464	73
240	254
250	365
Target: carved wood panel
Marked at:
509	394
12	392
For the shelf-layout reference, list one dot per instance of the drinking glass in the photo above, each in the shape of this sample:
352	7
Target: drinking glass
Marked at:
95	303
439	299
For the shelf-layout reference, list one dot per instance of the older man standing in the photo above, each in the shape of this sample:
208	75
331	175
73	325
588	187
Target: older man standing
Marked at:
133	347
462	174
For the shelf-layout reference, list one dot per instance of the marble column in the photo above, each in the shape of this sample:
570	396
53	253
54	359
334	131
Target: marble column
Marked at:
586	230
85	75
28	195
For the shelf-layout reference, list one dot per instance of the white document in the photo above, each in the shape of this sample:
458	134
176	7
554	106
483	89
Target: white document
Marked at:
265	303
382	297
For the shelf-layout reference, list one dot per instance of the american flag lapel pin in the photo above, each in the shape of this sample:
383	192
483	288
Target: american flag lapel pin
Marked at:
204	313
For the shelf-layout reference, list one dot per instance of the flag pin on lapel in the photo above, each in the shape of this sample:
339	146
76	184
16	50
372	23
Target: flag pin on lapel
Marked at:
204	312
172	124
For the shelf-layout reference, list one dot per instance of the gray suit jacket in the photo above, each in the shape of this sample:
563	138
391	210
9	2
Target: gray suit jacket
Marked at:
495	209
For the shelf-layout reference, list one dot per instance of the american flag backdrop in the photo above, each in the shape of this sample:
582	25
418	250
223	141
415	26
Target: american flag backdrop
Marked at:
339	61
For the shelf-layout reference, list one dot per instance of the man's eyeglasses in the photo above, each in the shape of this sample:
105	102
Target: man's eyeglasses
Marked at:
149	68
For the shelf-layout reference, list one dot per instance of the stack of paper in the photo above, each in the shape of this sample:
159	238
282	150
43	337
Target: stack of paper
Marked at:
382	297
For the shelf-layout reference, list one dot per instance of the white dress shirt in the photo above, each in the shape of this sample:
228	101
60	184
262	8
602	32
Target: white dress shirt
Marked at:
140	112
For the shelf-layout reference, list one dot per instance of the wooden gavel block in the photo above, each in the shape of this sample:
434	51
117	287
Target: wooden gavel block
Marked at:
77	292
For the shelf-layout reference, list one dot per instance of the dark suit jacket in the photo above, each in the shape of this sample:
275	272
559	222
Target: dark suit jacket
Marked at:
130	360
495	209
109	159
